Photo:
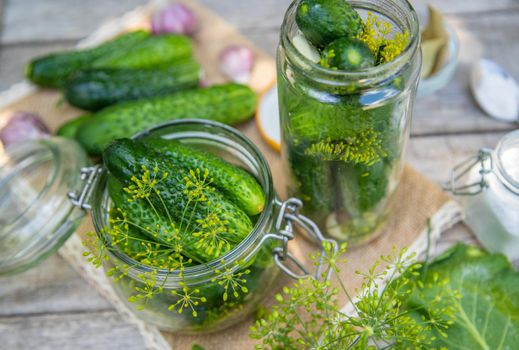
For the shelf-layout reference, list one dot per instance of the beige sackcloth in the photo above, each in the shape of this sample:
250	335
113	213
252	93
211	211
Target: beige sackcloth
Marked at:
418	199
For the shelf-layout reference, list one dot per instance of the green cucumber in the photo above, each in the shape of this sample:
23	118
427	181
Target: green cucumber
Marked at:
94	89
155	50
323	21
145	227
235	183
69	129
209	225
54	69
347	55
139	215
313	121
228	103
311	182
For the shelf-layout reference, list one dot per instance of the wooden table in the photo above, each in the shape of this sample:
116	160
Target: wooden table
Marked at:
51	307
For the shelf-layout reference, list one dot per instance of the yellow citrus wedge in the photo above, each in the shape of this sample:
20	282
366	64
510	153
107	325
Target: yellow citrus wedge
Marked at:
267	118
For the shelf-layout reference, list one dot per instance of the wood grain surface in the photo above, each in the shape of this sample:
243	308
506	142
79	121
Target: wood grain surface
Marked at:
51	307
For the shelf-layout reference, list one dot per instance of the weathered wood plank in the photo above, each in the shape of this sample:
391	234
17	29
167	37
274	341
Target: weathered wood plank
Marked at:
52	287
29	20
2	13
260	14
474	6
436	156
102	330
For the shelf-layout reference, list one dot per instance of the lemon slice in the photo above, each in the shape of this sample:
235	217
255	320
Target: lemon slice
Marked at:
267	118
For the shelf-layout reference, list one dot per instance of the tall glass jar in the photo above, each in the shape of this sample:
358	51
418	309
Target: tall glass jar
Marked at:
344	133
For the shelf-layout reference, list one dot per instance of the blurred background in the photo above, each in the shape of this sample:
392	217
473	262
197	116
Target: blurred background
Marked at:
49	305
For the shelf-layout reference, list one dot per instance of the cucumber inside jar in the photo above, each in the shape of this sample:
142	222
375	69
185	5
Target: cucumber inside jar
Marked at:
343	136
176	207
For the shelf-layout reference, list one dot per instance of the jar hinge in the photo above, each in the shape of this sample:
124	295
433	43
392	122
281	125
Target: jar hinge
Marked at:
288	216
81	198
484	159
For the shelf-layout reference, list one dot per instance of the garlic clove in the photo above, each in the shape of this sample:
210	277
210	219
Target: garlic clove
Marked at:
237	63
175	18
21	127
305	48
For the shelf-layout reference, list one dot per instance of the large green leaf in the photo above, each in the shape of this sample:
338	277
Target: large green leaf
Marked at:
486	311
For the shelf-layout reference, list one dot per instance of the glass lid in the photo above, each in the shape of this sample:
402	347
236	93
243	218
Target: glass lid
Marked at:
36	216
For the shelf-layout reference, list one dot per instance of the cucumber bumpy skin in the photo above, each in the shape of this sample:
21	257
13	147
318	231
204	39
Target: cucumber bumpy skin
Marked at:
235	183
155	50
172	197
54	69
94	89
228	103
323	21
69	129
144	228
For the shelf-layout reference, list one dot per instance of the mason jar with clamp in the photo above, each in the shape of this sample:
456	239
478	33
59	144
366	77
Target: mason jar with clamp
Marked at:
47	187
488	187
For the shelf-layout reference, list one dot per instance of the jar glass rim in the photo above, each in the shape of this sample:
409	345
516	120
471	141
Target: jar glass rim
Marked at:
225	263
509	141
365	76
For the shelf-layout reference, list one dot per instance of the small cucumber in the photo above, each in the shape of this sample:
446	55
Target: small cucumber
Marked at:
208	224
228	103
54	69
323	21
347	55
155	50
94	89
235	183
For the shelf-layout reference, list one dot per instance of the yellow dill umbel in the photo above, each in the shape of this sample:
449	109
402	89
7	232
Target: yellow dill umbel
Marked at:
376	34
364	148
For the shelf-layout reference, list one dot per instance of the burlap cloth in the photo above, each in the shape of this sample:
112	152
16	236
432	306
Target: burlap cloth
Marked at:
417	200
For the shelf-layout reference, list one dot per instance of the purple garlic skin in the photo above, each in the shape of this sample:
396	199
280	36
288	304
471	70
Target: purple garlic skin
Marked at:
237	63
176	18
23	126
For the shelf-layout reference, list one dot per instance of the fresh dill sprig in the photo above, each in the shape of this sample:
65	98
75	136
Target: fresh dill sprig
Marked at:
307	315
363	148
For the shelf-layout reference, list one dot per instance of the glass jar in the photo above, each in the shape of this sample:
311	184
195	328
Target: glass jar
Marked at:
488	186
344	133
36	217
211	296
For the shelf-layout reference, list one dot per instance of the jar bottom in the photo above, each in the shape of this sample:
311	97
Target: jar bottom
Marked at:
356	231
215	318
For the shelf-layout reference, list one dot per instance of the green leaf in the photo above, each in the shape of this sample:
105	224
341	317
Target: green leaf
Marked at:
483	292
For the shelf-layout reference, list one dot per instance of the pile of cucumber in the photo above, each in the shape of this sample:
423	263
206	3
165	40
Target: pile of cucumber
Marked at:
175	206
222	191
133	82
